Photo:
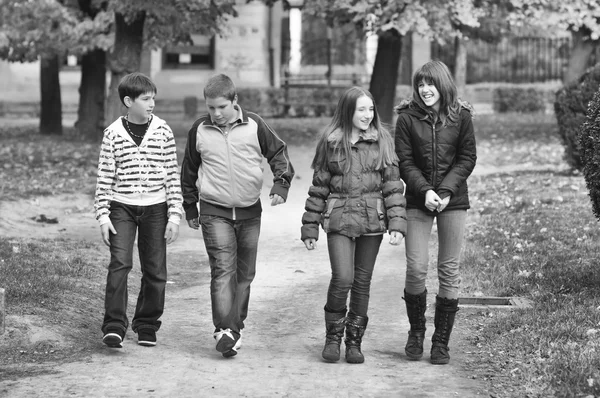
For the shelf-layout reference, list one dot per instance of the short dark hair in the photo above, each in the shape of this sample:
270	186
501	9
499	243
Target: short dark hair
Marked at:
220	86
135	84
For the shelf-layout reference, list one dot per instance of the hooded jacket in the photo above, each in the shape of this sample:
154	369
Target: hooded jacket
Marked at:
435	157
363	201
142	175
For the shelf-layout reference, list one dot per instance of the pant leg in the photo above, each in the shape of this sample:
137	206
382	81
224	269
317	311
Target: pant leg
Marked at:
341	257
247	233
418	230
365	254
121	262
221	246
451	229
152	249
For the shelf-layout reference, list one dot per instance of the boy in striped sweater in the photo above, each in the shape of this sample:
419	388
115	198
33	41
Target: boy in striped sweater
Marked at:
137	192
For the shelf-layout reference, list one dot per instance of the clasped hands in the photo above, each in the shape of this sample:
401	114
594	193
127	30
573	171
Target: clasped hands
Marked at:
434	203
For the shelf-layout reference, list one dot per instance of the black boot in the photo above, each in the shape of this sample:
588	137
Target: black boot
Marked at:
416	304
445	311
355	329
335	323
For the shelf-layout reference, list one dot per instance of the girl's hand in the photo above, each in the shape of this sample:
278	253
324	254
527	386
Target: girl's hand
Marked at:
432	200
310	244
396	237
443	204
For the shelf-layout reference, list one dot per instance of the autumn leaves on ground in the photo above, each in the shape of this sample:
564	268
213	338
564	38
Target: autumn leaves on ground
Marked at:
531	234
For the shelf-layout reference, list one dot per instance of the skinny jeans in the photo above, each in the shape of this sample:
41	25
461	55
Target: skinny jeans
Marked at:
352	263
451	229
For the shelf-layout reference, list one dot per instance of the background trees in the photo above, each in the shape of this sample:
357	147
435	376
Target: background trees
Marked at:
25	39
391	20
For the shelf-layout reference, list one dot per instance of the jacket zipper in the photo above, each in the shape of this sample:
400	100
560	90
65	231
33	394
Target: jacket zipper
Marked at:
434	155
229	166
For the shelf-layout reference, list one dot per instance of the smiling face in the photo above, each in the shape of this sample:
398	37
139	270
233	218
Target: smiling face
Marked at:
140	108
363	114
222	110
429	94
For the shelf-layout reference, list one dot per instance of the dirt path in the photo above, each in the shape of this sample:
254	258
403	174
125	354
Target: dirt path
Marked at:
284	332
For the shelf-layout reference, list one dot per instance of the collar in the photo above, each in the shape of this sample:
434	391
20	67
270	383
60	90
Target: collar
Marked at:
240	118
370	134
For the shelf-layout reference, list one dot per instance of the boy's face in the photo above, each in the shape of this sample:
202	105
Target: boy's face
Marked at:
140	108
222	110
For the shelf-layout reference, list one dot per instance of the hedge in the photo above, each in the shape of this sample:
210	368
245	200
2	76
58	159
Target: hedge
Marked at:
570	109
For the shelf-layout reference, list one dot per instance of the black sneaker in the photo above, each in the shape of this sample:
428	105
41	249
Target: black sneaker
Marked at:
113	337
233	351
146	337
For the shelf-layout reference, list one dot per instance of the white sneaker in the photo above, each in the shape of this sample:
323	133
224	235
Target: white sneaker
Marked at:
225	340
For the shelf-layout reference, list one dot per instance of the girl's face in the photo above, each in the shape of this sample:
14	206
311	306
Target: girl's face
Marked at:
429	94
364	113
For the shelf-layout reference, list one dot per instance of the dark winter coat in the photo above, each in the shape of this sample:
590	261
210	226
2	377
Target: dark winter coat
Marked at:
440	158
359	202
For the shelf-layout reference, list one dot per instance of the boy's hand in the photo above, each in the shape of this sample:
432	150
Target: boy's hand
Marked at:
396	237
194	223
276	199
171	232
105	230
310	244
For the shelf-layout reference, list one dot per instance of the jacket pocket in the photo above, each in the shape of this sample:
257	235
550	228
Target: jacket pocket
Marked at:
376	221
333	216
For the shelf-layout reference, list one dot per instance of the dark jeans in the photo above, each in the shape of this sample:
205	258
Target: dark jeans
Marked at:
352	263
149	222
232	247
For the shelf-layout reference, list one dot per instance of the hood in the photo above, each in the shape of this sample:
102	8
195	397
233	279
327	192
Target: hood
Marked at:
370	134
409	107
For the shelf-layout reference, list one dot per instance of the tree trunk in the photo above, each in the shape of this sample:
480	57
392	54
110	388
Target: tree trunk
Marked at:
124	59
385	73
460	65
579	58
92	92
51	104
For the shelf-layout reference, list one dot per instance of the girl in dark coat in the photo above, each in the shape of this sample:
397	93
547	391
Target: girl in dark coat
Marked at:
356	196
435	145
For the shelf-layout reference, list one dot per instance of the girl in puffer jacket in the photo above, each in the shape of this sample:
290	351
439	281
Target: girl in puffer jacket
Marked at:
435	145
356	196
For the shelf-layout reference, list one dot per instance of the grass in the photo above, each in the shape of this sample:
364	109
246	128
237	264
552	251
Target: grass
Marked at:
531	233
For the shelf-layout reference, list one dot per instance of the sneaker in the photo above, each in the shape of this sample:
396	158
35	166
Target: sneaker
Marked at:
113	337
235	348
225	340
147	337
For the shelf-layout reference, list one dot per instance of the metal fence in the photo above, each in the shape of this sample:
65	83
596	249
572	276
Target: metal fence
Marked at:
515	60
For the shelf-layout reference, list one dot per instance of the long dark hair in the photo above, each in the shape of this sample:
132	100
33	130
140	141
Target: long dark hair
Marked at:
437	73
342	122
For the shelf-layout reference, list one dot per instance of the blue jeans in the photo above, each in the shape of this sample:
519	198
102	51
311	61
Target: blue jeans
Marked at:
451	228
232	247
149	222
352	263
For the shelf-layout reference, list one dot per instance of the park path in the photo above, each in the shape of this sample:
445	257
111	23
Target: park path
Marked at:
284	333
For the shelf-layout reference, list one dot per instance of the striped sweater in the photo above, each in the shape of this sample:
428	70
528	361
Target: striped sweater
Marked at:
139	176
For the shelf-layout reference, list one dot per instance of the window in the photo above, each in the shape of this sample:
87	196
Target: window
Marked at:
200	55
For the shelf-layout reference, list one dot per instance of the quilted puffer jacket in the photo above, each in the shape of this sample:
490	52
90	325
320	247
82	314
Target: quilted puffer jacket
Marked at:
435	157
362	201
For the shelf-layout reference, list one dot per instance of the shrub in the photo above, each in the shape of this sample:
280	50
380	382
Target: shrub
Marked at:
570	108
589	142
518	99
